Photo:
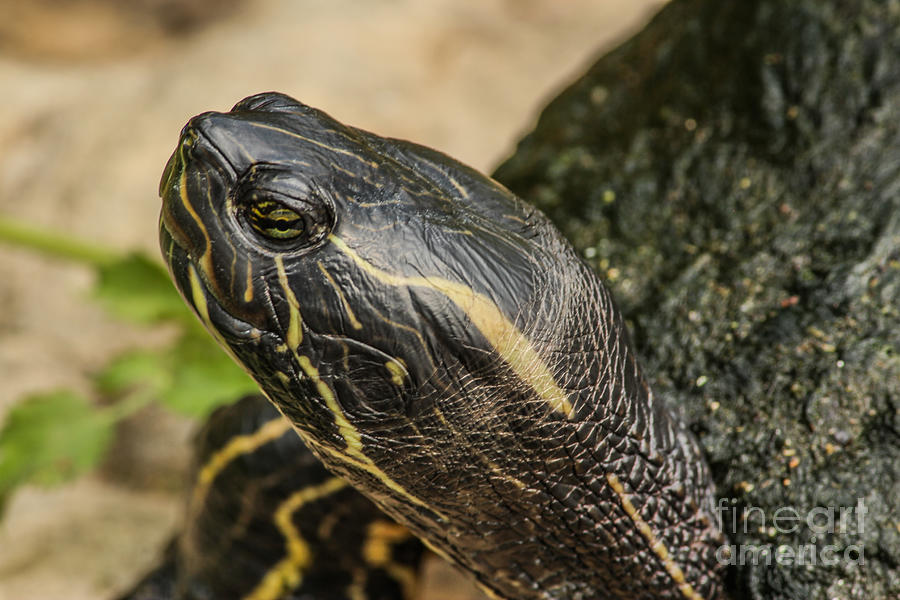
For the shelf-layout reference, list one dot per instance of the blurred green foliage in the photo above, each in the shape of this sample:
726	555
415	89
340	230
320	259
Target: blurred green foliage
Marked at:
54	436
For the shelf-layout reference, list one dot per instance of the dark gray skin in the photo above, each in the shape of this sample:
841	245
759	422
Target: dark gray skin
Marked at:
437	342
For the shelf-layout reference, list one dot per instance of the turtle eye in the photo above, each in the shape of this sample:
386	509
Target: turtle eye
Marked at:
279	211
274	220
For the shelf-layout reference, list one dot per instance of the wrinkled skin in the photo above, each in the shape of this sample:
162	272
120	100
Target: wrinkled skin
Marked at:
436	341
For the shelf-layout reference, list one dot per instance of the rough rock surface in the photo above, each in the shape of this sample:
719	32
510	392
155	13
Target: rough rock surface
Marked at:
735	171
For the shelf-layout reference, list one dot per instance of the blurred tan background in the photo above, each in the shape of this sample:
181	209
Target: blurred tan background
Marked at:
94	93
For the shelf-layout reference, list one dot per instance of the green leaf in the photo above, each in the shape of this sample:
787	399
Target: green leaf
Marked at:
50	438
146	369
53	437
191	377
138	288
202	376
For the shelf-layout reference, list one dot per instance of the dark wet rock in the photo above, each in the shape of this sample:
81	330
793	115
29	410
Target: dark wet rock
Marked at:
734	169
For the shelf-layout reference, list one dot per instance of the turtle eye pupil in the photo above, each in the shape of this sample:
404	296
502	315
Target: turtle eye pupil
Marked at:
278	211
274	220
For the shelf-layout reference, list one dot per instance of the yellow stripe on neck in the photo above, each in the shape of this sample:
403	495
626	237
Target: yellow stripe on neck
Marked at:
502	334
238	446
288	573
354	451
378	552
656	544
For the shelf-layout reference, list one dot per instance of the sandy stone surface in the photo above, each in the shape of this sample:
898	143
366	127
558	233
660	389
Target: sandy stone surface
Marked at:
91	110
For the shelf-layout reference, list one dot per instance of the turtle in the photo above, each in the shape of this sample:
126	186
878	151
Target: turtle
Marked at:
437	343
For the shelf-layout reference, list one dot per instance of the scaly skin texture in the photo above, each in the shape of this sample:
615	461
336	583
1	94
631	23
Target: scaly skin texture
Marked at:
438	343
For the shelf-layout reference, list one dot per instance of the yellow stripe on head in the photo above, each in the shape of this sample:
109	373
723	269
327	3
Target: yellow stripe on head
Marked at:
198	299
294	334
487	317
248	289
397	368
206	257
354	322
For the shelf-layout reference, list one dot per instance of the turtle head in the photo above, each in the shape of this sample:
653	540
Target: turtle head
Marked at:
355	277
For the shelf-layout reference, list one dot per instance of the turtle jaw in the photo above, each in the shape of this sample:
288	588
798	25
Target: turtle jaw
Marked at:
189	281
